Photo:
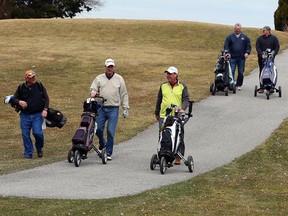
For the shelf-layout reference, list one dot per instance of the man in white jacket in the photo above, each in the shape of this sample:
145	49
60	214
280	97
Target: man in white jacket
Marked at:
112	87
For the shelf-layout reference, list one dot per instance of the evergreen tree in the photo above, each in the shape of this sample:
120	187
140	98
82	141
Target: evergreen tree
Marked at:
281	16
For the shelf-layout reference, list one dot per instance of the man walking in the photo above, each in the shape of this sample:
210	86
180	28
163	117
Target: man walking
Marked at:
239	46
112	87
33	100
264	42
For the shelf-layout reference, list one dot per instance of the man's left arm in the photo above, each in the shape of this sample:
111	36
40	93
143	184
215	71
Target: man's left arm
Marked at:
185	98
277	45
248	47
124	98
46	101
45	97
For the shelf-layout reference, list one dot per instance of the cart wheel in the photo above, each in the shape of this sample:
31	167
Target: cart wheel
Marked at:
226	91
104	156
190	163
267	94
213	89
234	88
255	91
153	161
280	91
163	165
77	158
70	156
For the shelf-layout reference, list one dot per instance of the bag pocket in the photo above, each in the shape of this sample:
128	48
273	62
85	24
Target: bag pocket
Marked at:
80	136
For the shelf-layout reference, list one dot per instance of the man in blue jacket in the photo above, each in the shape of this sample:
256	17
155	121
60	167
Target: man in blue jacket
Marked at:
239	46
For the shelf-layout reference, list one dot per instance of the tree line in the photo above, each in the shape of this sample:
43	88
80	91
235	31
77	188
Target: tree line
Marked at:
12	9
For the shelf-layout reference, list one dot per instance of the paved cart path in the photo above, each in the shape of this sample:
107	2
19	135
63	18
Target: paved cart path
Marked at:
222	128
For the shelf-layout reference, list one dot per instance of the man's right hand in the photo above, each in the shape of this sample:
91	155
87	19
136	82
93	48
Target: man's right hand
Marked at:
23	104
93	94
157	117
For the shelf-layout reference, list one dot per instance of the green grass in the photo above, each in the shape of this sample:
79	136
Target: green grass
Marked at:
67	55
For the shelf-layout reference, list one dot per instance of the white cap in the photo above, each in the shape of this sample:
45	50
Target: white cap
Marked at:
109	62
171	70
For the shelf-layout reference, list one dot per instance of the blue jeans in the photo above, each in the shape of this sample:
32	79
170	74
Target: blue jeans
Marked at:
34	122
109	114
240	63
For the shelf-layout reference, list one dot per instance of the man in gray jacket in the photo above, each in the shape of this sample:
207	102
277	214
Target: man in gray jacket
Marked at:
111	86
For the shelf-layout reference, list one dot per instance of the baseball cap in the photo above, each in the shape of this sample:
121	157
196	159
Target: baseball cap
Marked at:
29	74
109	62
266	28
171	70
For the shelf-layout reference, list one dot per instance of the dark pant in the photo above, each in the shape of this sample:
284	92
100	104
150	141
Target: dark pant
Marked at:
240	63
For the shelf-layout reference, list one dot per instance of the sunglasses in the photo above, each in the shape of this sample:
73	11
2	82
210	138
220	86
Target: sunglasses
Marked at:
30	74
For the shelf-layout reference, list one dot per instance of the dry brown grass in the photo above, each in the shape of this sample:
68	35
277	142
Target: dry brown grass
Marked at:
67	55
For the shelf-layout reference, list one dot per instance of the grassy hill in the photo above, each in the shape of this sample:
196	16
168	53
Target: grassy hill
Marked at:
68	54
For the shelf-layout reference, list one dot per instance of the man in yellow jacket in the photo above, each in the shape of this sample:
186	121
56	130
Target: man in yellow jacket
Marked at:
171	92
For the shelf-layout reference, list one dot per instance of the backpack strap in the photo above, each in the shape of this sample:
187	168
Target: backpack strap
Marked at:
39	84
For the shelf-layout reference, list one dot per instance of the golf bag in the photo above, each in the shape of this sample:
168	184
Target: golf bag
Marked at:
223	72
55	118
82	141
83	136
171	138
268	76
171	144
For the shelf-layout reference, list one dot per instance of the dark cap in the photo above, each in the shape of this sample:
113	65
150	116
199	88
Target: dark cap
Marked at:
266	28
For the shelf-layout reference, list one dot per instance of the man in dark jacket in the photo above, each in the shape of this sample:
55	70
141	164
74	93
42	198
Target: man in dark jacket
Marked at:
264	42
239	46
33	100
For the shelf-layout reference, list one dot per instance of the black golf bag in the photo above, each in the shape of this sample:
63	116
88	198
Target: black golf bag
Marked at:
171	138
223	80
223	73
55	118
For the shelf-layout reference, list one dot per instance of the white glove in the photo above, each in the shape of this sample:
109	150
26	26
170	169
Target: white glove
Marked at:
125	113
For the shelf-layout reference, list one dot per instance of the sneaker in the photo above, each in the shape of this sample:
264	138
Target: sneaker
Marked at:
261	90
239	88
27	157
40	154
109	158
177	161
